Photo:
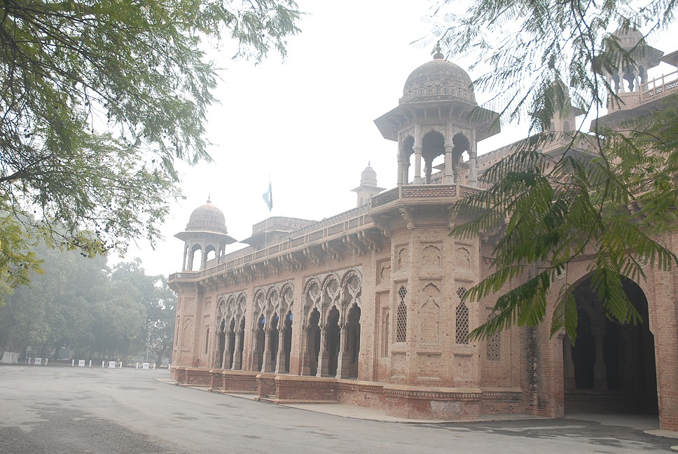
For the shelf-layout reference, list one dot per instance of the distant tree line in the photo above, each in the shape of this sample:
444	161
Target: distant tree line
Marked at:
84	306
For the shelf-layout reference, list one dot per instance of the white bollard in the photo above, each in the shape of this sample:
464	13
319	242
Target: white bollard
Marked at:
72	363
90	363
103	364
46	360
137	366
153	366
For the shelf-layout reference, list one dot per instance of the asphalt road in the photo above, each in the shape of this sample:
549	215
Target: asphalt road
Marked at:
69	410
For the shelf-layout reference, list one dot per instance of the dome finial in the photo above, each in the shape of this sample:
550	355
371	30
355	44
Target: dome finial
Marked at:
209	198
438	55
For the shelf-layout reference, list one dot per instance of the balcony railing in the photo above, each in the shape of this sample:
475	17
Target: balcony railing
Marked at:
342	224
659	87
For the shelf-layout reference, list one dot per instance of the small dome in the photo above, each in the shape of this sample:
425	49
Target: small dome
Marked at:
207	218
438	80
628	38
368	177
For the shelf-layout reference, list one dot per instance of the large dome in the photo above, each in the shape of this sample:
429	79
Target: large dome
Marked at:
438	80
207	218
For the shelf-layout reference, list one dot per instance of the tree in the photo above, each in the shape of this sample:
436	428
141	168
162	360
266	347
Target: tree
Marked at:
610	192
80	304
159	301
161	313
55	310
99	99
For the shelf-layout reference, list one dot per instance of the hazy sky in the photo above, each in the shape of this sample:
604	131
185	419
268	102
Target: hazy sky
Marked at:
307	122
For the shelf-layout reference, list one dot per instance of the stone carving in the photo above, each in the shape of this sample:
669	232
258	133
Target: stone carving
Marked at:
403	257
429	322
463	258
187	333
431	256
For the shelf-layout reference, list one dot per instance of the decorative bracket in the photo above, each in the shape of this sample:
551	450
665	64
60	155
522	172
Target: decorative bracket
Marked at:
406	213
334	253
315	255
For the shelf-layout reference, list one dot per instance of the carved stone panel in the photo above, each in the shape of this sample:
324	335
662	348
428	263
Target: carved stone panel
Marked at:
430	257
383	271
403	257
429	315
462	258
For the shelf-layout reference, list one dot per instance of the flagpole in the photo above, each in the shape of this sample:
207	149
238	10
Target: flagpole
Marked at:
268	198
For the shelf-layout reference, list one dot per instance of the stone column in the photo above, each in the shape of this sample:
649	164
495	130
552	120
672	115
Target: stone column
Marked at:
449	177
324	356
306	351
344	358
472	163
417	164
401	165
266	363
280	357
237	354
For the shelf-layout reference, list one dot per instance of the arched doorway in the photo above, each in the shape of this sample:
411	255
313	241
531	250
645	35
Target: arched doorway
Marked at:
240	345
287	342
611	368
221	345
433	145
333	341
261	341
231	344
313	345
273	338
353	340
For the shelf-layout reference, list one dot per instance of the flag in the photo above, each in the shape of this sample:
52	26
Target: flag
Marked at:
268	197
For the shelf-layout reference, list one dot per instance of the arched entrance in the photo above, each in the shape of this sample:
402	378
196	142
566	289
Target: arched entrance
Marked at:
260	343
313	342
333	334
611	368
287	341
218	359
433	145
231	344
273	338
353	340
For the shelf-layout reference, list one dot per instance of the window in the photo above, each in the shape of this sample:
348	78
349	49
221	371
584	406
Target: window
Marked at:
401	317
462	319
494	348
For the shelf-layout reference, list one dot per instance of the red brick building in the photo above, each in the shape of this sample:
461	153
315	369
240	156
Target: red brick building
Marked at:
365	307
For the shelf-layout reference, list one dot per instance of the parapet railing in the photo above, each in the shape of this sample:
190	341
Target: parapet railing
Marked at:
659	87
342	223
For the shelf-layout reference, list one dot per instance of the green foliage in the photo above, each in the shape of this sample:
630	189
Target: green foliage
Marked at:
536	48
79	304
99	99
606	196
17	260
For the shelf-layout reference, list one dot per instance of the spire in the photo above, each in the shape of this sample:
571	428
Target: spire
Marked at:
209	198
438	55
